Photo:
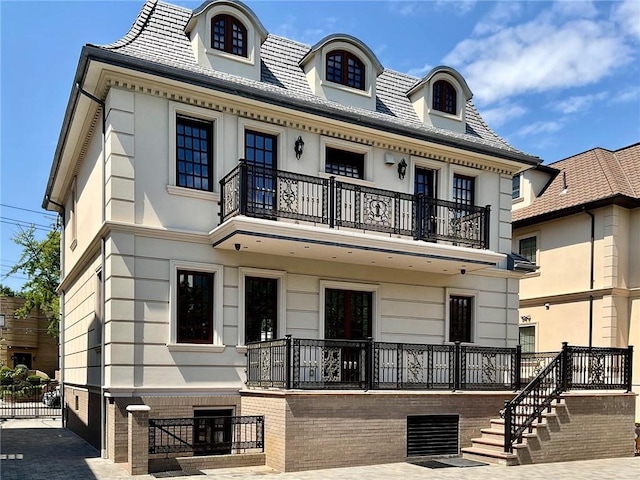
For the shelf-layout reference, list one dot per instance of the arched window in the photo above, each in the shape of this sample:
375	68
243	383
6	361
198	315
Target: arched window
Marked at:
229	35
444	97
345	68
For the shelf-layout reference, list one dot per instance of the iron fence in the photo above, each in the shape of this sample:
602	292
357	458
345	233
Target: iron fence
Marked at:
365	364
28	400
266	193
206	435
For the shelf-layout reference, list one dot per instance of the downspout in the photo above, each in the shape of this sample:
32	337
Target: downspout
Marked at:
103	429
591	275
62	213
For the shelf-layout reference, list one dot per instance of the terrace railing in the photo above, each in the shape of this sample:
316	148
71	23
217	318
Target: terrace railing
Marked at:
574	368
265	193
206	435
365	364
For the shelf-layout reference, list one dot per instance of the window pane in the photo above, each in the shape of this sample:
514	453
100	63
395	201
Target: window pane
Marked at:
195	307
528	339
261	309
463	190
348	314
460	318
528	248
515	186
346	164
193	137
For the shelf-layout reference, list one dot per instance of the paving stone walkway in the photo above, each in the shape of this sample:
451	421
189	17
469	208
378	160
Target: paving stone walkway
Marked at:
42	450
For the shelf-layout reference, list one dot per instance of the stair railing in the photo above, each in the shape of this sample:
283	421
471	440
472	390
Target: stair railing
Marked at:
528	406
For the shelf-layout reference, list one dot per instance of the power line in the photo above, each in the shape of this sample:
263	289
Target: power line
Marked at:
23	224
28	210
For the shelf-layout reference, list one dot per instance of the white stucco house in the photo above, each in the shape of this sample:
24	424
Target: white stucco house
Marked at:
221	185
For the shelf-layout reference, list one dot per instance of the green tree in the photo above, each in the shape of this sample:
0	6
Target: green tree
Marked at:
40	263
6	291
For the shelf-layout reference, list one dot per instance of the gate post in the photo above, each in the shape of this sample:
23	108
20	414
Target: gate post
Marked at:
138	443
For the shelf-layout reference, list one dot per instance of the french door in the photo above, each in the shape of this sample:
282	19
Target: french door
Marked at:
425	184
260	153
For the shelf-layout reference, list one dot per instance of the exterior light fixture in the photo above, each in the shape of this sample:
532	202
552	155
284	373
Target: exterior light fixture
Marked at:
402	169
299	147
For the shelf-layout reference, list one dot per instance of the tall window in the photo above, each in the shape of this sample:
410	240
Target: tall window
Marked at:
195	307
463	190
346	164
515	186
528	248
528	339
460	317
444	97
345	68
229	35
193	153
261	309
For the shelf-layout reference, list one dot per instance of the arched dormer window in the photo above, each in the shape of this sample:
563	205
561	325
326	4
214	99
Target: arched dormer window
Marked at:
345	68
229	35
444	97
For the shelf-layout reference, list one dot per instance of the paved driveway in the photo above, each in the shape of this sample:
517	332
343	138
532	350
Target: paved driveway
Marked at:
42	450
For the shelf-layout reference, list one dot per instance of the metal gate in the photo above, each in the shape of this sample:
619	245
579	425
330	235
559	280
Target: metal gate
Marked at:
26	400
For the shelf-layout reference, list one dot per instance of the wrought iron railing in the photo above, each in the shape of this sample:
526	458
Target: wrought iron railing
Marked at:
365	364
206	435
574	368
265	193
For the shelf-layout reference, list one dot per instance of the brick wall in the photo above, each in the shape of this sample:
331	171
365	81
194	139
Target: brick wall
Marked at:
588	426
306	431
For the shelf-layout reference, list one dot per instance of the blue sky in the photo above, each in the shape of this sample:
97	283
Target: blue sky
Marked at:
553	78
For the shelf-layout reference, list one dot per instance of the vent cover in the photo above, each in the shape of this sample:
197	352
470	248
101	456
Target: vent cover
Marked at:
432	435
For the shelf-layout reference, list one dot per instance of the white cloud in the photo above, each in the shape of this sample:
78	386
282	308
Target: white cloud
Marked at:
539	55
496	117
578	103
575	9
630	94
420	71
537	128
459	7
403	8
627	15
501	15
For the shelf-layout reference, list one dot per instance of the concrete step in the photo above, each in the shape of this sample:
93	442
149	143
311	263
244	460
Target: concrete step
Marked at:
492	444
492	433
488	456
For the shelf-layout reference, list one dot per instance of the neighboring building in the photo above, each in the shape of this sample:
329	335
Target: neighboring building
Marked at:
24	341
369	204
578	220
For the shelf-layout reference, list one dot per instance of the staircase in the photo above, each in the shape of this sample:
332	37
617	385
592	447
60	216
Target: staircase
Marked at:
489	448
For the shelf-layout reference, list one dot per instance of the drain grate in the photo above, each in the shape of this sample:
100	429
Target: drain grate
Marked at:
458	462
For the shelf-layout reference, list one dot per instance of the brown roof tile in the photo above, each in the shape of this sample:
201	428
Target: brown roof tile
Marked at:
590	176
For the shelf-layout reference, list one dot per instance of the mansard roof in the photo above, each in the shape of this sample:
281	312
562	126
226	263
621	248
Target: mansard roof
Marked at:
157	43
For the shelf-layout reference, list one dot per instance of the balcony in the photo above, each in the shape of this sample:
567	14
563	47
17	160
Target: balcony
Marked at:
349	222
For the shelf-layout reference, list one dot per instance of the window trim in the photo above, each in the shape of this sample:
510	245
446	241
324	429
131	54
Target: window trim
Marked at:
455	292
228	36
460	99
245	124
218	310
345	56
348	147
519	176
252	51
281	324
73	214
175	109
358	287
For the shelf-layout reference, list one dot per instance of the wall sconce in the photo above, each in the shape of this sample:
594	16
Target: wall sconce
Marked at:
402	169
299	147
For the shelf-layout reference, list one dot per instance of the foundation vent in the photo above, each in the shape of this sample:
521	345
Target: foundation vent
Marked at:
432	435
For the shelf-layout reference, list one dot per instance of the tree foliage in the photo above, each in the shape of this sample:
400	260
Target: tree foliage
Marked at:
40	263
6	291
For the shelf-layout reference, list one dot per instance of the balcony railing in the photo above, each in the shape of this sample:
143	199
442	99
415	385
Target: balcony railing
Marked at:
266	193
365	364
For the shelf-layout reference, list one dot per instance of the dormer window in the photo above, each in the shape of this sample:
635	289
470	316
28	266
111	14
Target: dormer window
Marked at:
345	68
444	97
229	35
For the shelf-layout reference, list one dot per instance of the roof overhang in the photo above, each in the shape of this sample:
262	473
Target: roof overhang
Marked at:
313	242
